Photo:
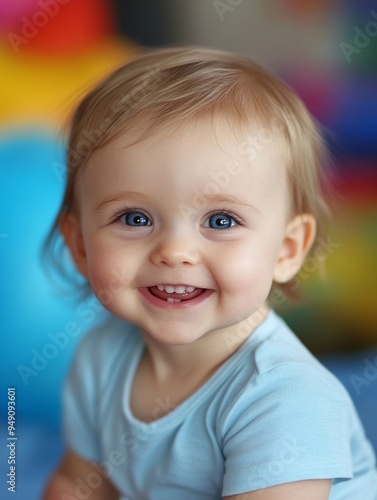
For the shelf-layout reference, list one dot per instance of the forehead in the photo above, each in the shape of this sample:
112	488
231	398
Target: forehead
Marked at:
206	155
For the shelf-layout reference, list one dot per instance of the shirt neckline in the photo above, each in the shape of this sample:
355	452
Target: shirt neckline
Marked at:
209	387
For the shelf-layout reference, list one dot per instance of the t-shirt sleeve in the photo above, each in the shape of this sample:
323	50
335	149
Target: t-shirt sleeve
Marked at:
290	423
79	403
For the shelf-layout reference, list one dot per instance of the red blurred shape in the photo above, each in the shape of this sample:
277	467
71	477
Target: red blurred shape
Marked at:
305	8
64	26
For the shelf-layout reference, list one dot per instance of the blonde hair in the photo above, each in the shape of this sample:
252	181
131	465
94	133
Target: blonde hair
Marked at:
174	86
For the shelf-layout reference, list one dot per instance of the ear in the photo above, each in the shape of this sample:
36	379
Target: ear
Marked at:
70	228
298	239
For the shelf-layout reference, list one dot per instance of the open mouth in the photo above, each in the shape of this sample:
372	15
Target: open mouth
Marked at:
175	293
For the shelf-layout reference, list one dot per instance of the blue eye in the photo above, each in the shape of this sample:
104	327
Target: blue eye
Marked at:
220	221
135	219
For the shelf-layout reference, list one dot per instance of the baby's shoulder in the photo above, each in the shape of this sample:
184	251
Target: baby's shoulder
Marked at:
283	385
280	362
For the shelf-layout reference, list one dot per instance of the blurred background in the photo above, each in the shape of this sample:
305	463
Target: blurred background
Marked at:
51	52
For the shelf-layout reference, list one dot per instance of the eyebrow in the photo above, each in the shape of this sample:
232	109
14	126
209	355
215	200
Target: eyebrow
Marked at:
228	198
122	196
214	198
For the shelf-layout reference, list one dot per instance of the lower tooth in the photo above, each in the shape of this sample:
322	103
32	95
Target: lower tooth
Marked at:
170	299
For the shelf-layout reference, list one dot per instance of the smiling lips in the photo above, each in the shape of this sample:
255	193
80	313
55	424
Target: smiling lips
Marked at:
175	293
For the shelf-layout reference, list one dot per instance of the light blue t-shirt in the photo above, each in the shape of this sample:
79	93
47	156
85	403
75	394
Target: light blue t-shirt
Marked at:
269	415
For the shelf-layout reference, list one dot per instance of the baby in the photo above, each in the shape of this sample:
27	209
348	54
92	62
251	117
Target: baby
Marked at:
194	189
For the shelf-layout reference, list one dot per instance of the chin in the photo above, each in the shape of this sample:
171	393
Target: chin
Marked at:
172	336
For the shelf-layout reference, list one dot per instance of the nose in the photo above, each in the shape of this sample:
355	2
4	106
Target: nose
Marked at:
173	250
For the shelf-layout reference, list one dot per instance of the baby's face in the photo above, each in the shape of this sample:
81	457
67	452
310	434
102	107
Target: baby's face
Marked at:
182	232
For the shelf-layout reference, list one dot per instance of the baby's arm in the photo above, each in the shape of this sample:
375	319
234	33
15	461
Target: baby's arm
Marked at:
310	490
73	468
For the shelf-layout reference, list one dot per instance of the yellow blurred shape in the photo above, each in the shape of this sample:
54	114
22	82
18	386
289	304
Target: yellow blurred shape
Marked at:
41	89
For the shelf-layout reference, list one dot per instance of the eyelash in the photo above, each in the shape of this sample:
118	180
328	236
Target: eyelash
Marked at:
128	210
229	214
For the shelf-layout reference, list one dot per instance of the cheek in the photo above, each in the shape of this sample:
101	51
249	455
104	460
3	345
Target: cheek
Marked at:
108	269
249	272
